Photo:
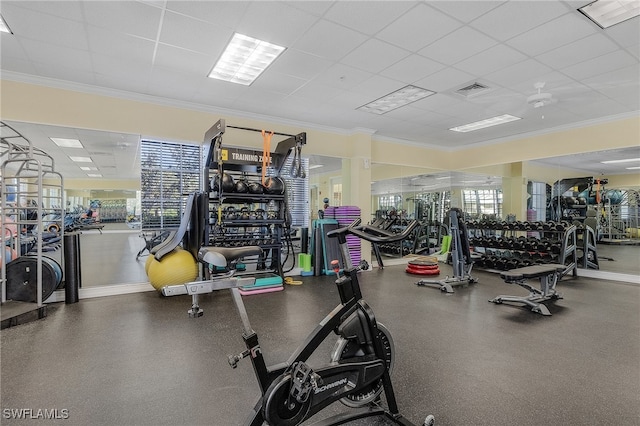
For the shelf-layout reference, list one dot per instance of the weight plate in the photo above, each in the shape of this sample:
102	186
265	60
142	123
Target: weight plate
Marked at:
22	280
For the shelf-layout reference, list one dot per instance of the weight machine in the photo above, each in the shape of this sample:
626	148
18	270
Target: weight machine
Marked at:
460	256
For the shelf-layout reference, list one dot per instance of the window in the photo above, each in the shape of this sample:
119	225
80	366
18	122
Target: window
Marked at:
482	203
170	172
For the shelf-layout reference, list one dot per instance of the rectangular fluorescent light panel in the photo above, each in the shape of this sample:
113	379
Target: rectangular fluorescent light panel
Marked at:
67	143
609	12
244	59
88	169
633	168
397	99
493	121
626	160
81	159
4	28
94	175
315	166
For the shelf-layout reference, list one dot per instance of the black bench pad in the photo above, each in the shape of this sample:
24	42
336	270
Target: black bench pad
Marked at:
533	271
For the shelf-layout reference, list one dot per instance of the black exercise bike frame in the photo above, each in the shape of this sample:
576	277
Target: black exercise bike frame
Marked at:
350	302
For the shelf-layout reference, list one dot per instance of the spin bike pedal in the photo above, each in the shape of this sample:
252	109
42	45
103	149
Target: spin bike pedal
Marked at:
303	381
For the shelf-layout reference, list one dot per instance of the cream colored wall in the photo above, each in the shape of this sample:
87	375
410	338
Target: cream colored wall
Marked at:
47	105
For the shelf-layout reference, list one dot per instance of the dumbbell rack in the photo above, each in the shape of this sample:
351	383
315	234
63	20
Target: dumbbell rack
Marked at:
261	223
513	245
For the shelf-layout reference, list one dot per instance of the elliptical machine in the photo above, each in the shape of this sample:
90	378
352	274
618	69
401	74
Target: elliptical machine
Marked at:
360	364
460	256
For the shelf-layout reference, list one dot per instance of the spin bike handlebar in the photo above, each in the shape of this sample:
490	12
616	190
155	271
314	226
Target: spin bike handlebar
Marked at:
372	234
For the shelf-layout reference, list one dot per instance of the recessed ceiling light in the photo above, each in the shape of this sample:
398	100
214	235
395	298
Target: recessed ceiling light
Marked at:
633	168
610	12
81	159
244	59
67	143
397	99
315	166
493	121
88	168
94	175
4	27
626	160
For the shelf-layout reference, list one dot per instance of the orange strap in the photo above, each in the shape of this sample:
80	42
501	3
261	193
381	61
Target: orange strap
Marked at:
266	152
598	192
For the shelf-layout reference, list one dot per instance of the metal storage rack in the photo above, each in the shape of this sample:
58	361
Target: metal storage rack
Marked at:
513	245
242	219
31	197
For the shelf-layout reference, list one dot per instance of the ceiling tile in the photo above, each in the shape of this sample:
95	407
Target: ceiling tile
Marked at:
117	45
466	11
131	75
626	33
578	51
211	11
552	35
299	64
329	40
65	9
445	79
193	34
426	24
515	17
46	28
599	65
275	22
278	83
522	71
317	92
186	61
136	19
49	53
369	20
490	60
342	77
374	56
458	45
314	7
353	100
65	71
412	68
376	87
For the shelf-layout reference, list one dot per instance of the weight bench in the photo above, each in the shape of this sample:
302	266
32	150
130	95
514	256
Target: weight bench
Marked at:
548	274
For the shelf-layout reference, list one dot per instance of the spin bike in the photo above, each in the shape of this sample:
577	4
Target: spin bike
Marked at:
360	364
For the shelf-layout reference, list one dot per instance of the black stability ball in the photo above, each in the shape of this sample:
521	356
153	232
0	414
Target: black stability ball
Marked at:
228	184
274	185
255	188
241	186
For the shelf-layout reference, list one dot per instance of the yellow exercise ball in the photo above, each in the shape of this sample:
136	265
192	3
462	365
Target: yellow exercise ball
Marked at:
147	263
177	267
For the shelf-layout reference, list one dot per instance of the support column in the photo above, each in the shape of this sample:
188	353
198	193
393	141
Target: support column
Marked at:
514	193
356	180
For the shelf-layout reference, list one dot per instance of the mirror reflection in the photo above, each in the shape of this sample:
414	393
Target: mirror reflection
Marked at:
106	209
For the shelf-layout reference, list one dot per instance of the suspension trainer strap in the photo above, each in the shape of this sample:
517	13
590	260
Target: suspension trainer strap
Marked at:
266	152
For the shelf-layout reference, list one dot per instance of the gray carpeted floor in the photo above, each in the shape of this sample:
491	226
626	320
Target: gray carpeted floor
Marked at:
138	359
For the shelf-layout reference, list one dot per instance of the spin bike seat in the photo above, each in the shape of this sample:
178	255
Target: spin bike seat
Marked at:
208	254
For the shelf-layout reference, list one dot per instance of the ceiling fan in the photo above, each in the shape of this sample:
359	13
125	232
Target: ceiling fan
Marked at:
541	98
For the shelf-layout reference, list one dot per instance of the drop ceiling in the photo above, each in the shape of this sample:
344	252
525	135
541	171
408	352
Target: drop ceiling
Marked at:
339	56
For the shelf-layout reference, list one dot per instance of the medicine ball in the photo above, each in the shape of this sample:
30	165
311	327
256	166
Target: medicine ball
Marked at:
274	185
241	186
255	188
227	183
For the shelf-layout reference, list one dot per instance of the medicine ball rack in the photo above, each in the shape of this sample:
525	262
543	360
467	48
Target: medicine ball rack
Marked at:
31	223
251	218
510	245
